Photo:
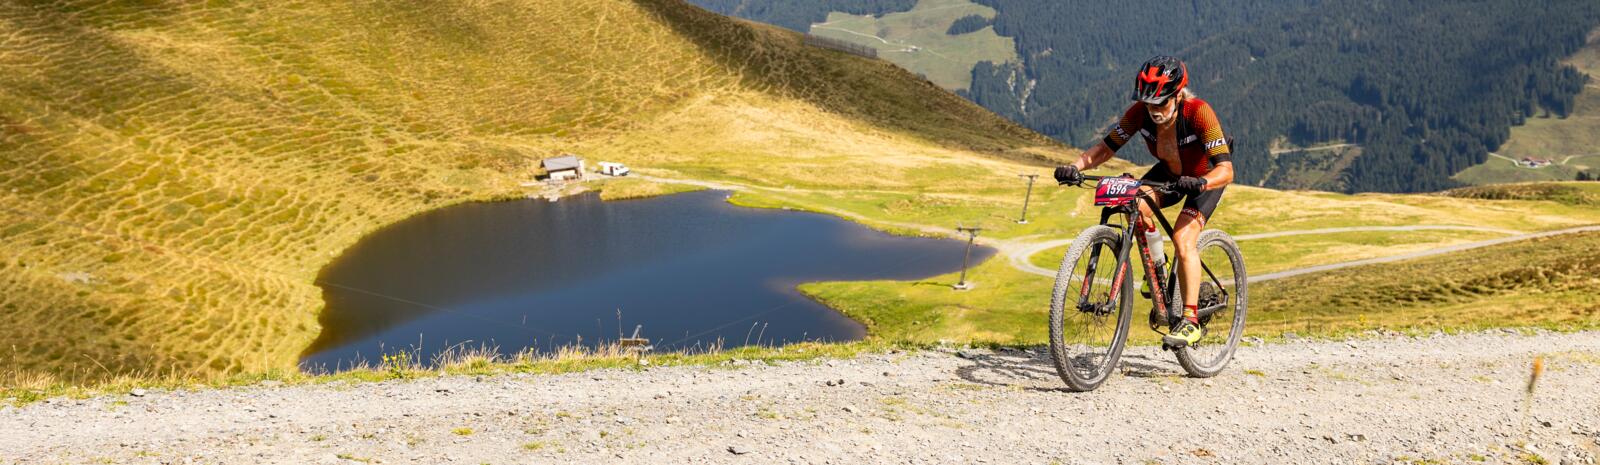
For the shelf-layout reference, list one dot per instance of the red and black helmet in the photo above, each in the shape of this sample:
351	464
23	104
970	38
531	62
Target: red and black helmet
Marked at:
1160	78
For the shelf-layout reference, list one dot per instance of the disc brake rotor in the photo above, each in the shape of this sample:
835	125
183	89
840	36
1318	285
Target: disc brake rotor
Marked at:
1209	297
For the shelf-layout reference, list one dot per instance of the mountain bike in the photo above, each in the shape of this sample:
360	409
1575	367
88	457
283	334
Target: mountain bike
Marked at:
1091	306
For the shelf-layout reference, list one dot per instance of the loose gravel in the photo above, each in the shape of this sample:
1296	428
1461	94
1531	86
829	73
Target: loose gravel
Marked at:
1380	399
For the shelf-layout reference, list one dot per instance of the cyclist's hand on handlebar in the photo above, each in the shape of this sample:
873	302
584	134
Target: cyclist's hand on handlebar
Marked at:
1189	185
1069	175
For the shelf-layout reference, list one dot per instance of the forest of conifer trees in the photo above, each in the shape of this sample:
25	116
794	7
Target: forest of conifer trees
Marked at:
1426	88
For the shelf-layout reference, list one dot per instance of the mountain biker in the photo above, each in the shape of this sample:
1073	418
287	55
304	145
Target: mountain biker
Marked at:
1183	133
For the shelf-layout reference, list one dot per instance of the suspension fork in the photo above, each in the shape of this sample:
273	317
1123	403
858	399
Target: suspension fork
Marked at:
1123	252
1094	261
1116	279
1088	278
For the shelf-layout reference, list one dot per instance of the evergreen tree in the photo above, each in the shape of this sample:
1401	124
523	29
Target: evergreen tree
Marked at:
799	15
1425	88
967	24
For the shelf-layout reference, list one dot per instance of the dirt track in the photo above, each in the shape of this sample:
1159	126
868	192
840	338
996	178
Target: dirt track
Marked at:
1450	398
1018	251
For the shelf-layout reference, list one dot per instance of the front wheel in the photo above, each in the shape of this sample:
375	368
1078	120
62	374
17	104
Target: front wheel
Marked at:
1088	324
1225	292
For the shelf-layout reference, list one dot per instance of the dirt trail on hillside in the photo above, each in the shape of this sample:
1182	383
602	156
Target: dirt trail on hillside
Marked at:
1455	399
1018	251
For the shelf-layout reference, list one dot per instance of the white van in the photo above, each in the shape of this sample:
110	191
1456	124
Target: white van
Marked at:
613	169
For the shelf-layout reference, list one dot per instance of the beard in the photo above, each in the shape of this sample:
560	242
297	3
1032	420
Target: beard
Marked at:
1164	118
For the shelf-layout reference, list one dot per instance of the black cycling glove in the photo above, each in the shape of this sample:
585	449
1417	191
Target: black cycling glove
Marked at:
1069	175
1189	185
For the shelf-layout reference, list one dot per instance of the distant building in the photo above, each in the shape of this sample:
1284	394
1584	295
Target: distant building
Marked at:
562	168
1530	162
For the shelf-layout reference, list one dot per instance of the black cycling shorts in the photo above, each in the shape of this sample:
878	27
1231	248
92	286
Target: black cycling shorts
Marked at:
1201	205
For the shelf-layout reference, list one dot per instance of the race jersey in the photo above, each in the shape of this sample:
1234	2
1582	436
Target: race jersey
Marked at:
1201	144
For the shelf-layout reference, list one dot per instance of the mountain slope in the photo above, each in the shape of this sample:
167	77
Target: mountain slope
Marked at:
798	16
173	176
920	41
1423	90
1571	142
1426	88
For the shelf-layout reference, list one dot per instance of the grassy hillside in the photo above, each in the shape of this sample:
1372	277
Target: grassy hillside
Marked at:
173	176
1544	283
1008	306
1573	143
917	39
1547	282
1579	194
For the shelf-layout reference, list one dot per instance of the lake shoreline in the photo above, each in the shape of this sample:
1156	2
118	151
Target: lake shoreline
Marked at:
759	333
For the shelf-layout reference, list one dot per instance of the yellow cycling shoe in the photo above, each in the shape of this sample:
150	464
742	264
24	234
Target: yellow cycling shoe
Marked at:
1186	334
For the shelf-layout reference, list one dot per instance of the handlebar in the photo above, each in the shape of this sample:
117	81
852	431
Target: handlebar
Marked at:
1155	184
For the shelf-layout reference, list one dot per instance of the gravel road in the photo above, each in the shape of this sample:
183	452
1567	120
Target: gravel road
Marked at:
1380	399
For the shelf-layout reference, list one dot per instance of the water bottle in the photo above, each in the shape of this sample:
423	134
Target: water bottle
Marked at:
1152	237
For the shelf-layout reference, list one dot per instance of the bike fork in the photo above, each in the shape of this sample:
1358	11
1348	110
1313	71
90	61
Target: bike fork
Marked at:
1117	277
1088	278
1122	268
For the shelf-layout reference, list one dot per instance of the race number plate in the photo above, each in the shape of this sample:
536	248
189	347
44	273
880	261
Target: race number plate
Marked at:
1116	192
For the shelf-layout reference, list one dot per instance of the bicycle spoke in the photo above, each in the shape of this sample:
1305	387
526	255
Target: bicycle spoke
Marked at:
1088	323
1222	292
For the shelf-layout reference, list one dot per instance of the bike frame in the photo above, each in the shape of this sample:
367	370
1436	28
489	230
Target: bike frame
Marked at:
1158	287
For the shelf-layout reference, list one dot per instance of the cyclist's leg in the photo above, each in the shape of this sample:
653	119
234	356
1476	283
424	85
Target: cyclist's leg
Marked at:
1146	216
1185	238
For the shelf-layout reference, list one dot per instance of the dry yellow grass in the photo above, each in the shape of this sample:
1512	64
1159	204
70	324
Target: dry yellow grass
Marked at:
173	176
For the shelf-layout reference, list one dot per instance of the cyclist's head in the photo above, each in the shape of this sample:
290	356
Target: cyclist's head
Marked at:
1160	113
1156	82
1159	78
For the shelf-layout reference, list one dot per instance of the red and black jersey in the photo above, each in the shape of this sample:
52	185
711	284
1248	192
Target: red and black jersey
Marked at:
1201	144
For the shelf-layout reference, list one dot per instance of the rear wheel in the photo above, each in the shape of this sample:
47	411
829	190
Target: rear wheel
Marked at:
1226	289
1089	325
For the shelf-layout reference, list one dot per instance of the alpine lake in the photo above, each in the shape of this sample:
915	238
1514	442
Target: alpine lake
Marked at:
687	271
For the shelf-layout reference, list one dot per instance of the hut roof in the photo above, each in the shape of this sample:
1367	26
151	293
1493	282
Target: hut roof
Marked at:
565	162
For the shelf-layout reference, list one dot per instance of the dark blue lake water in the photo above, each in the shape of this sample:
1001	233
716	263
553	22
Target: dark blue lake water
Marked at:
689	267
